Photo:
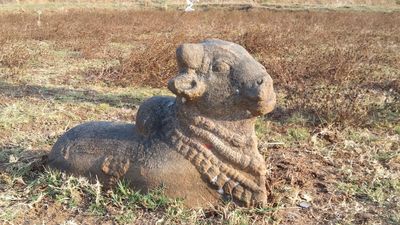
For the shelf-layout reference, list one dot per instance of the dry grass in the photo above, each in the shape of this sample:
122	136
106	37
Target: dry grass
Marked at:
333	140
311	56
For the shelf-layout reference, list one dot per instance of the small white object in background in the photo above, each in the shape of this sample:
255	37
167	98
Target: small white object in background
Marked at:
189	7
39	22
305	205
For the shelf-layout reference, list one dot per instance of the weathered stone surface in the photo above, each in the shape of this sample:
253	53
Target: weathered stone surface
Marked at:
201	145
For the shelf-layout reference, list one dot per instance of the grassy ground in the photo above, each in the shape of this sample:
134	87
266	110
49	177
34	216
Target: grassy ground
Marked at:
332	142
61	5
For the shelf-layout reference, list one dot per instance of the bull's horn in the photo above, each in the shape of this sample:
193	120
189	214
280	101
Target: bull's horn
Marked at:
189	56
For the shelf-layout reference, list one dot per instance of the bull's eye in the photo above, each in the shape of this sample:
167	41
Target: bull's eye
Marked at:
220	67
260	81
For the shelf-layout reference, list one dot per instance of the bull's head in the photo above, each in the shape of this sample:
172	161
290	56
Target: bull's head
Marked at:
222	80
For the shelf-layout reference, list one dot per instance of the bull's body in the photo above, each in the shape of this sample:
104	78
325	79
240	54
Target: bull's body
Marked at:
110	151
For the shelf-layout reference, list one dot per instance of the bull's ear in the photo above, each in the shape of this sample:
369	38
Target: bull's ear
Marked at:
187	85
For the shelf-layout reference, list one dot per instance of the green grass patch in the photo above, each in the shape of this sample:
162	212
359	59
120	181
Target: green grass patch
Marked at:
298	134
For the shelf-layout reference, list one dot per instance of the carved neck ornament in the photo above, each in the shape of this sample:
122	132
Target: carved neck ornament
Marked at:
217	154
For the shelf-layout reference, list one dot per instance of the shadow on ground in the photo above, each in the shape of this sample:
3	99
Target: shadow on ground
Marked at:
69	95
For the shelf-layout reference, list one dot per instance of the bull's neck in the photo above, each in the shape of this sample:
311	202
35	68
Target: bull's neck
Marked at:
224	151
241	131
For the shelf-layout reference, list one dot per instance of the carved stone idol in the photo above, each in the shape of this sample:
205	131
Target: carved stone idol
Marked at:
201	145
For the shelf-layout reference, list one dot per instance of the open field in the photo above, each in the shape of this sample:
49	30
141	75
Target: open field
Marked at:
342	5
333	140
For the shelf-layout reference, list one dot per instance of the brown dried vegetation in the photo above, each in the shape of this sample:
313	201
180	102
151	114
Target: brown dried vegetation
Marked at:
334	57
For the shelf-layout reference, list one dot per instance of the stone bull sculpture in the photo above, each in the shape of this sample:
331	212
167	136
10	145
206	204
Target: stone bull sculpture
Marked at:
200	145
